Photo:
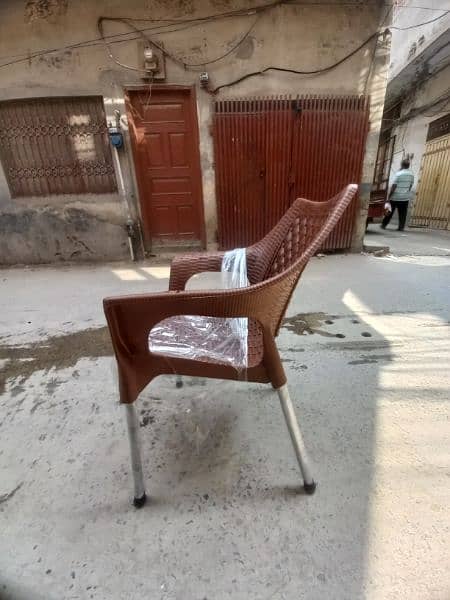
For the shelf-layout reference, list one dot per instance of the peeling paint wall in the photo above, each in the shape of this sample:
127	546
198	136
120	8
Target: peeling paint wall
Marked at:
74	230
292	36
44	9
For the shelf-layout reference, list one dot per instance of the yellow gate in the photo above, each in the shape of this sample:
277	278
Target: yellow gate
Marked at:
432	205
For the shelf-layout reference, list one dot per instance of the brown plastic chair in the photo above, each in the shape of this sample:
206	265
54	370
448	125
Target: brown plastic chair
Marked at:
274	266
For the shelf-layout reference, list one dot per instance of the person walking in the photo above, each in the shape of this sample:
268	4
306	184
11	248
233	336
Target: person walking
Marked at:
400	195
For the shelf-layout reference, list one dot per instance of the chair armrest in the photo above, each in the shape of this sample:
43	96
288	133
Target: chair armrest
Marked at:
130	318
185	266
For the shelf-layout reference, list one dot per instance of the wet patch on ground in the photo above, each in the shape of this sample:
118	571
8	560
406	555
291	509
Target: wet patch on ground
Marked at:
319	323
346	332
310	323
56	352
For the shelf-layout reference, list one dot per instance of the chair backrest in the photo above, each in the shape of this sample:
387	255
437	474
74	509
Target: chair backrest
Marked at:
285	251
297	236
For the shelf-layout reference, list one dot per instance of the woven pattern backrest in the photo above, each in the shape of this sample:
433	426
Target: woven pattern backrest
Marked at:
261	255
298	235
310	225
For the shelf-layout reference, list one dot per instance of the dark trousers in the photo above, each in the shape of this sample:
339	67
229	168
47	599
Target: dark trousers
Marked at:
402	208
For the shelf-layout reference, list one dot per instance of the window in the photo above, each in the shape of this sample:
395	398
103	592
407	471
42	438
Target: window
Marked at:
56	146
439	127
383	165
385	153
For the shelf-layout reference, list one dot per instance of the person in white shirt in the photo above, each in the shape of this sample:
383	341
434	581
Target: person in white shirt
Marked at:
400	195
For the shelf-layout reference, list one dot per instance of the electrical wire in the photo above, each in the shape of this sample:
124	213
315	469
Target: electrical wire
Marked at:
168	23
110	53
231	50
199	21
414	112
421	24
273	68
193	21
359	4
296	71
172	56
418	7
440	110
422	80
441	101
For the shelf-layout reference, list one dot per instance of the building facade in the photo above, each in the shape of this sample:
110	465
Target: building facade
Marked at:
416	120
110	115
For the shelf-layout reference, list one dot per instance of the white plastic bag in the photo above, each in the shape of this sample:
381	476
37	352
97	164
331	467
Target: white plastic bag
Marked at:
235	263
211	339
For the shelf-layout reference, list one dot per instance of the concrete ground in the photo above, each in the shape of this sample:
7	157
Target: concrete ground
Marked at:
413	241
366	347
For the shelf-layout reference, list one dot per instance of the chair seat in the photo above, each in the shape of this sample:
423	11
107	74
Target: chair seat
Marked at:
207	339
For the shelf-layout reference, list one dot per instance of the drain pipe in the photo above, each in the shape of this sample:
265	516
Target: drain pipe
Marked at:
122	192
130	232
116	137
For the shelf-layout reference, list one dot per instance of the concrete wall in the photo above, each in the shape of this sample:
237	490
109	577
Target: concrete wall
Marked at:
403	39
292	36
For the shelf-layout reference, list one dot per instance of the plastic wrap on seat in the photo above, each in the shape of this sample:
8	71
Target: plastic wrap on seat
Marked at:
203	338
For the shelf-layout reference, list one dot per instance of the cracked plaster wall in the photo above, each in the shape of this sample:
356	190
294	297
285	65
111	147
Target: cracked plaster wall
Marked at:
294	36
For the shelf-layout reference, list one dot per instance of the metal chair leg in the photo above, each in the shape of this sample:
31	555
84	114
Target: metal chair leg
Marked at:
297	439
179	382
136	463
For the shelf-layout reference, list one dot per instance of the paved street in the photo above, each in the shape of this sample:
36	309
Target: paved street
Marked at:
413	241
366	347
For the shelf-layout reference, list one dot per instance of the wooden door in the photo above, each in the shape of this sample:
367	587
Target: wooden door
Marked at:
432	205
164	135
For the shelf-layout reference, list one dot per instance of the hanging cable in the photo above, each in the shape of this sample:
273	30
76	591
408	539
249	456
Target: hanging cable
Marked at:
421	24
414	112
172	56
231	50
296	71
426	76
110	53
183	23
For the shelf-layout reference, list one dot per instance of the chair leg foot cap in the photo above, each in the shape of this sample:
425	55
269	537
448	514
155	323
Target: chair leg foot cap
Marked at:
139	502
179	384
310	488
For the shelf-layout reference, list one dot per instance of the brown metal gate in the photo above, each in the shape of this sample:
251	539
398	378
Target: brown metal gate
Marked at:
270	151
